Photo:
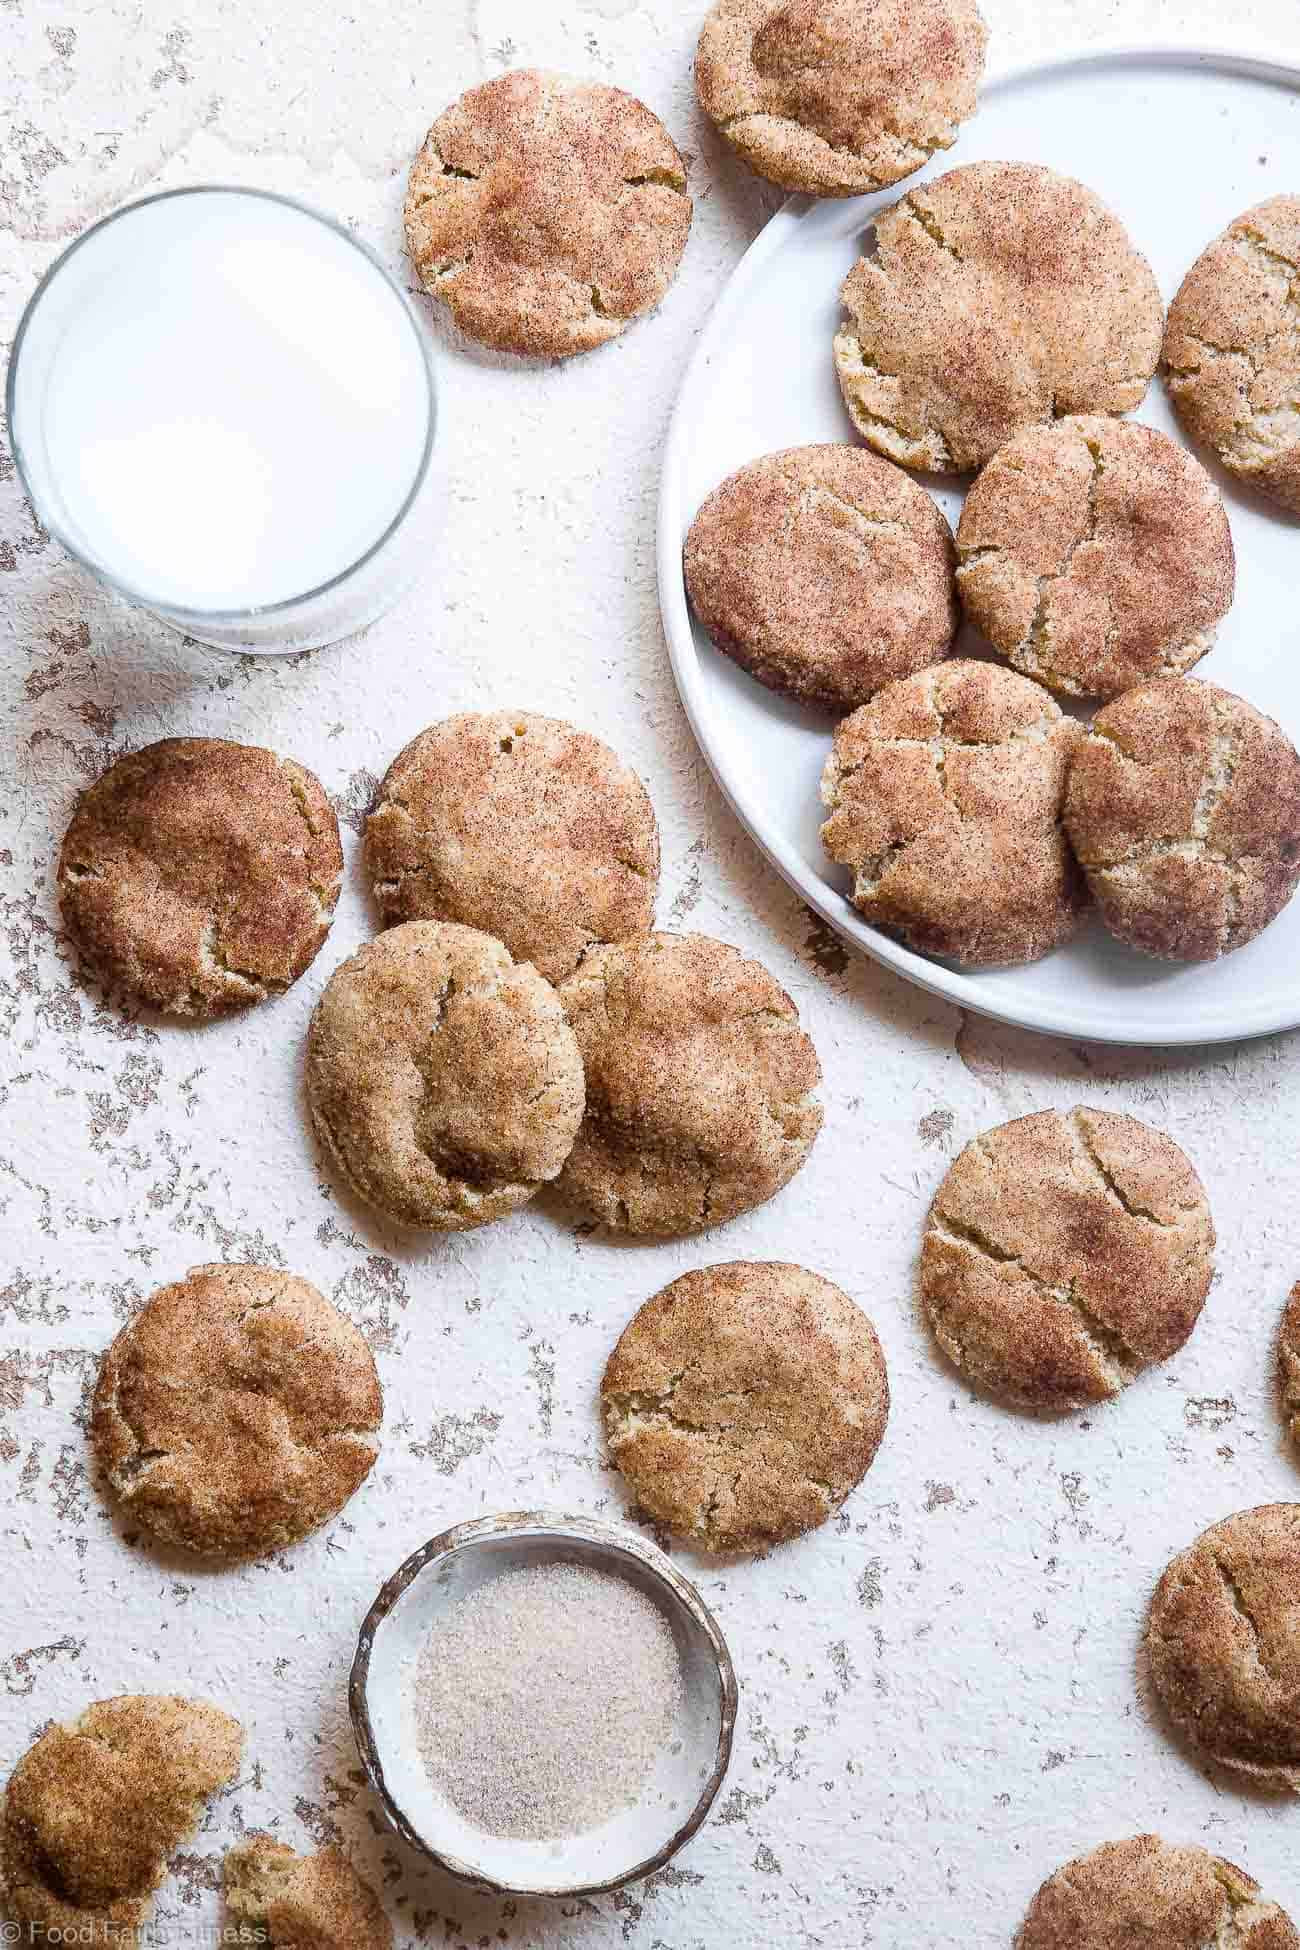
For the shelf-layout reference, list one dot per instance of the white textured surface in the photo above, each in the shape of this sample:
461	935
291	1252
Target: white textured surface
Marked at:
939	1690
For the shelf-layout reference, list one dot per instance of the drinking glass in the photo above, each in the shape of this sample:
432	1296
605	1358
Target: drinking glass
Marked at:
223	406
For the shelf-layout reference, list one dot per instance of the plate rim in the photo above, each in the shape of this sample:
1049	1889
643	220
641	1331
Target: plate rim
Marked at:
1256	59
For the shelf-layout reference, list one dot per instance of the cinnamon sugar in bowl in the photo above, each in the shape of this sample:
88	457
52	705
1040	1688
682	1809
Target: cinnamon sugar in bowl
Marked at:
543	1703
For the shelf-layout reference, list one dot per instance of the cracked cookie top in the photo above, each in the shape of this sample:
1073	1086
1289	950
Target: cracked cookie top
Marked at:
744	1402
521	826
318	1902
237	1412
1232	349
1223	1642
1148	1891
839	97
699	1084
1183	807
545	213
96	1808
443	1078
1095	554
825	572
199	876
997	296
1064	1253
945	797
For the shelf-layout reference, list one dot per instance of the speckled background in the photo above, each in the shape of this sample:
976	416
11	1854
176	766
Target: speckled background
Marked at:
940	1692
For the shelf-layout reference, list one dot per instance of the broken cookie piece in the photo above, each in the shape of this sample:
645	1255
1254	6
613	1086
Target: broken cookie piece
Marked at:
303	1902
1288	1361
95	1810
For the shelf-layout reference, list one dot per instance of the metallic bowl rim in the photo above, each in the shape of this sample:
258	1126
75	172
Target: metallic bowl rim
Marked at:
558	1524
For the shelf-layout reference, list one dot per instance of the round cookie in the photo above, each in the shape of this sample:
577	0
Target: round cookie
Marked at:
1151	1892
546	213
518	825
945	797
1232	352
998	296
744	1402
443	1078
1288	1360
95	1810
1183	808
1064	1253
699	1084
839	97
825	572
1095	555
237	1412
199	876
1223	1643
303	1902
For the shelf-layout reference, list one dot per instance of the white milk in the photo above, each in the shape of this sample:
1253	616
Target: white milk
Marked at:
221	402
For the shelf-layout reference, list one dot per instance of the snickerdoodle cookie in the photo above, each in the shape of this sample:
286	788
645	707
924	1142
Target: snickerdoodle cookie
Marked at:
998	296
237	1412
1183	807
1232	350
443	1078
839	97
825	572
1095	555
744	1402
699	1084
945	797
521	826
1065	1252
96	1809
302	1902
199	876
1223	1641
545	213
1288	1360
1150	1892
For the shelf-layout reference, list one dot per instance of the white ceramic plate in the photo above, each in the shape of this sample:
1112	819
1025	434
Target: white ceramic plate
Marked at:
1178	143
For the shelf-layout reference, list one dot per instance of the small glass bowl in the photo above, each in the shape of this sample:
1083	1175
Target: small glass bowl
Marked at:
633	1843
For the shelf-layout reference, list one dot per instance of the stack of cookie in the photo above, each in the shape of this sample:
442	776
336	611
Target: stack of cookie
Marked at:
1001	322
519	1022
522	1022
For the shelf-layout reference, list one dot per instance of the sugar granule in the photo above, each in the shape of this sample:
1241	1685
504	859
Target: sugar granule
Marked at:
543	1698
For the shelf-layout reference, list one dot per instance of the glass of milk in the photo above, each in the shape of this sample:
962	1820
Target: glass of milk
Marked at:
221	404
